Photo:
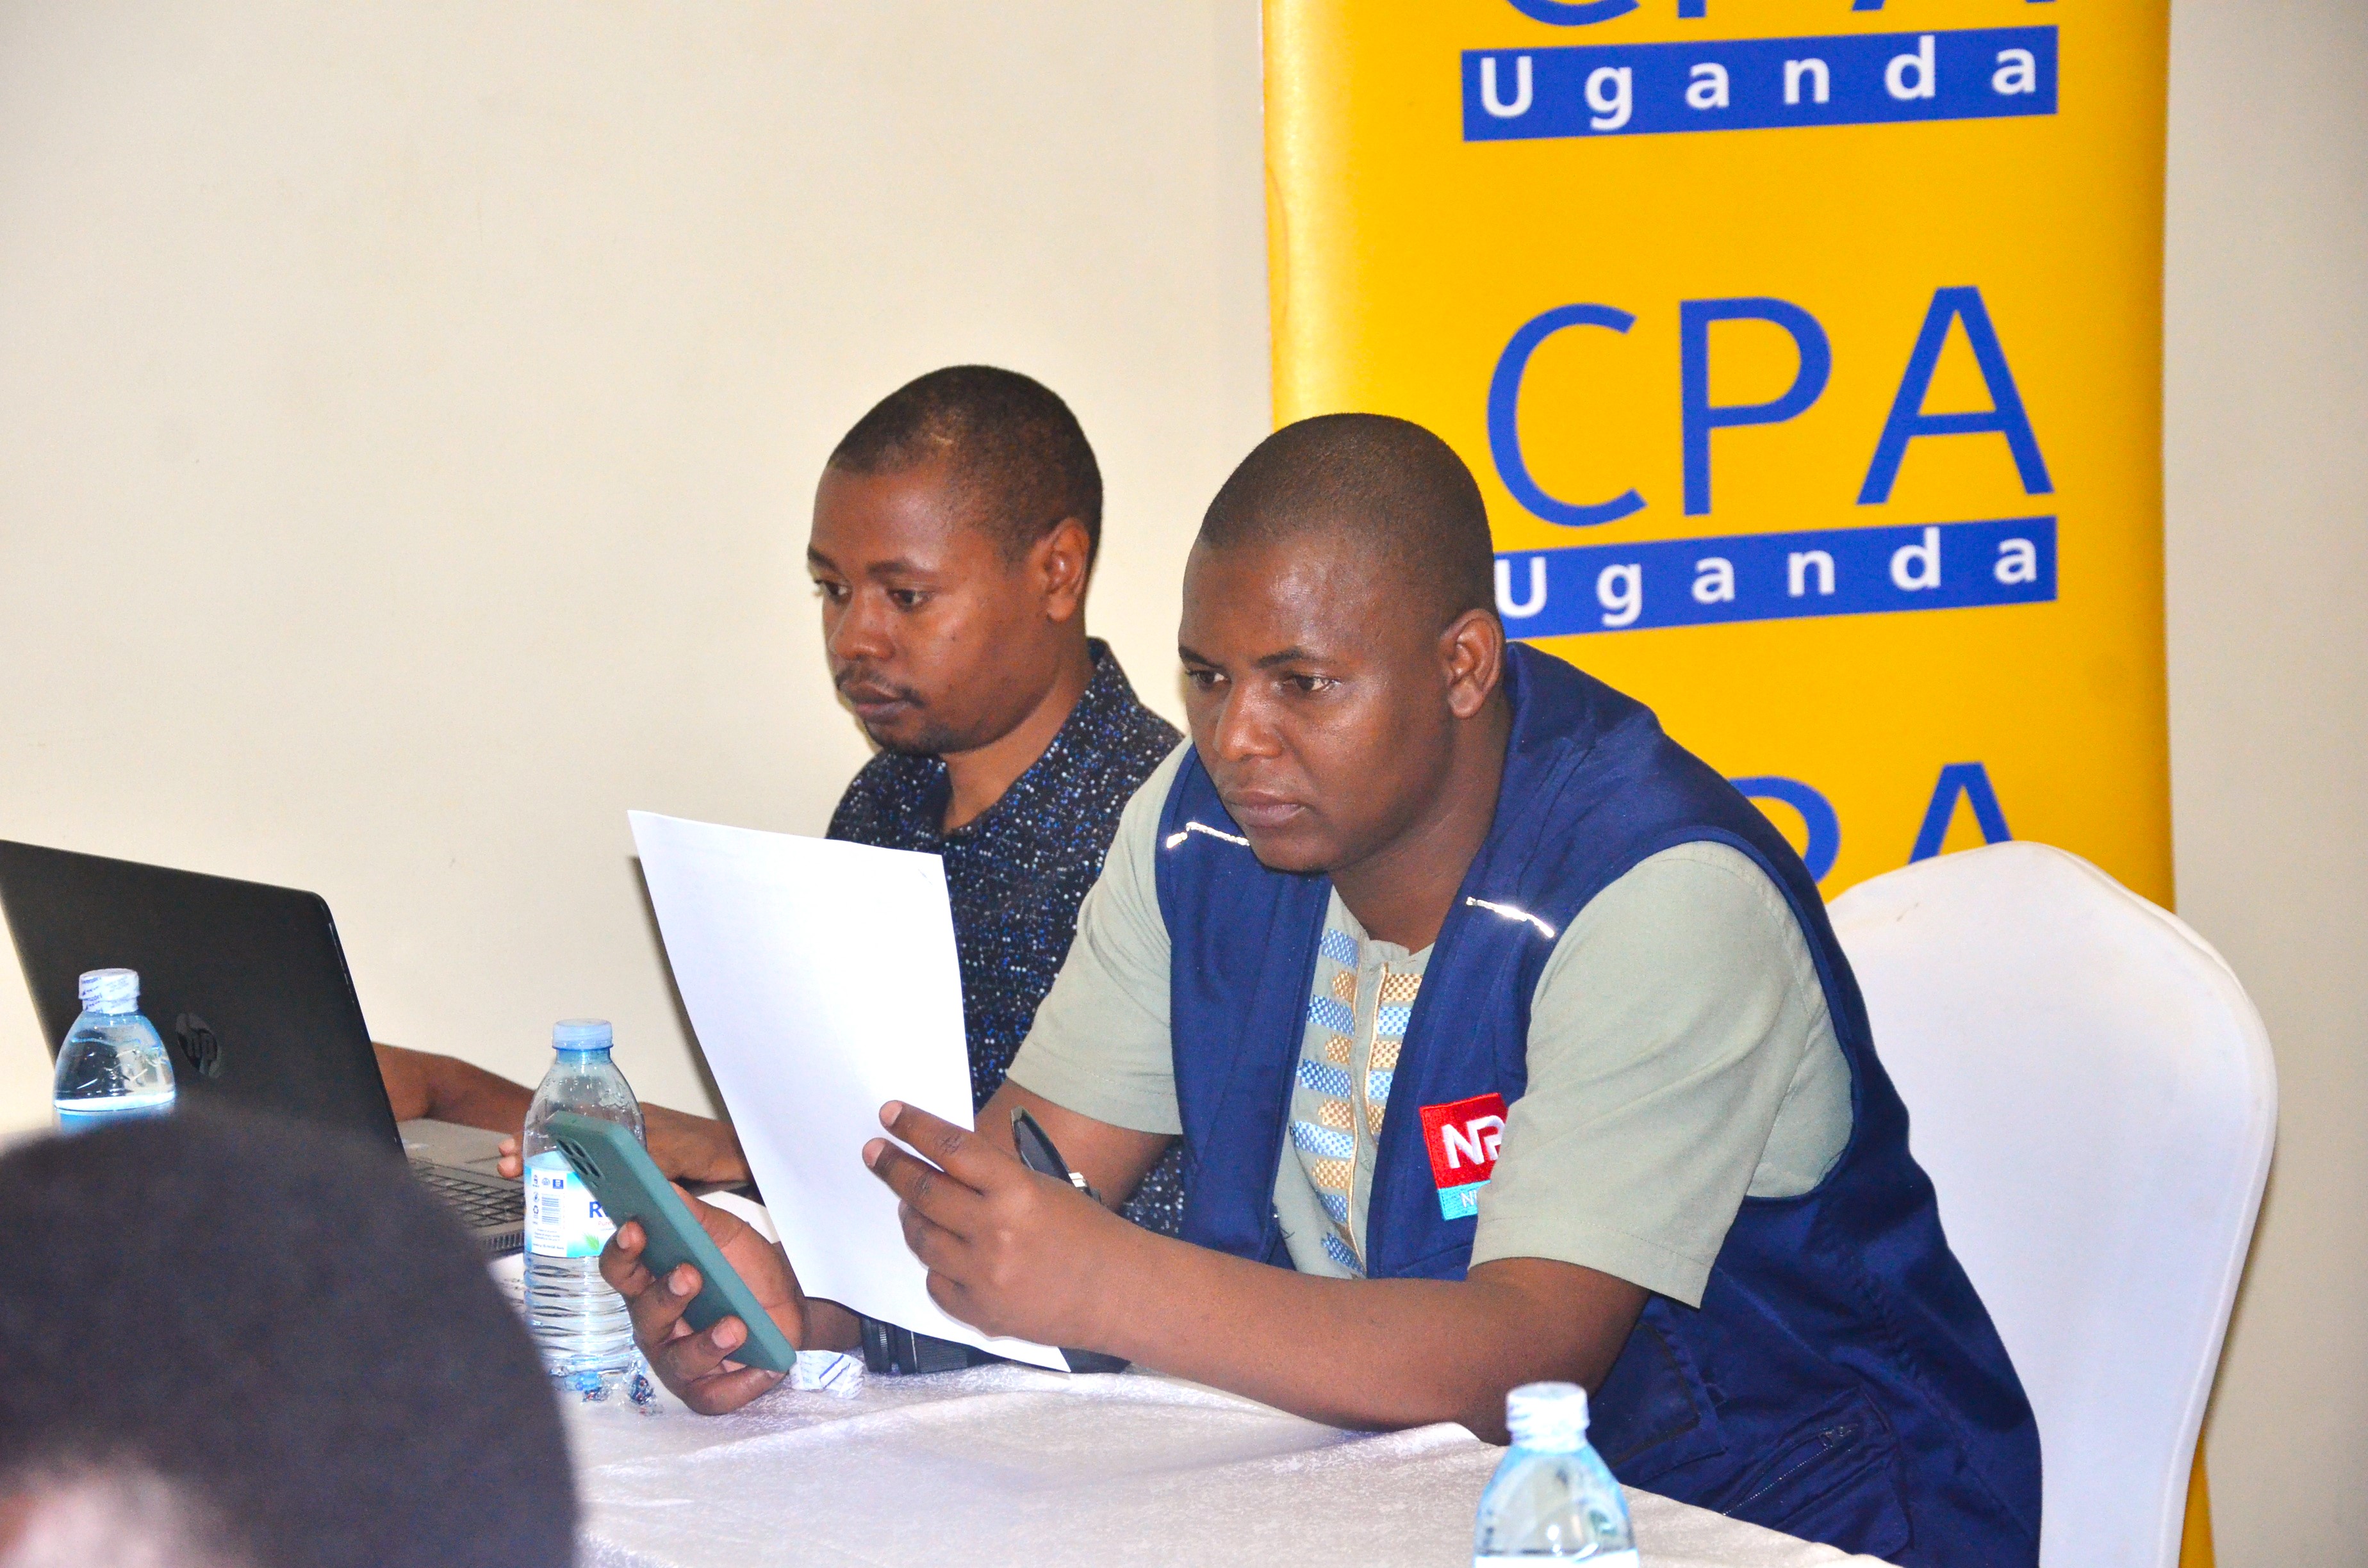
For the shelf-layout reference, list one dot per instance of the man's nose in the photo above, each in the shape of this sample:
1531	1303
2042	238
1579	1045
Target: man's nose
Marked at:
1245	727
857	632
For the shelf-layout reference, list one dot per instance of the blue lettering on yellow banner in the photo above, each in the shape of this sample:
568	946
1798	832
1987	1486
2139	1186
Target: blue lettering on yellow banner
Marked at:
1907	318
1972	780
1776	576
1646	89
1459	1202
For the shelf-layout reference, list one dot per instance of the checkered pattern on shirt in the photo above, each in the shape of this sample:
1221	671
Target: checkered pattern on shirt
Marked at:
1339	1102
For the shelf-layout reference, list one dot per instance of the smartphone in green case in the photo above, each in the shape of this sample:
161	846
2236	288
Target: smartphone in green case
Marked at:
627	1187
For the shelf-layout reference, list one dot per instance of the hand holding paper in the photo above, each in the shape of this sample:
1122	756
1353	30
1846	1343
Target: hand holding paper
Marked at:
822	980
1011	1249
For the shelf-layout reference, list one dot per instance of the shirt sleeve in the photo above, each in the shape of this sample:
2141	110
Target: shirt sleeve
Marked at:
1099	1044
1679	1040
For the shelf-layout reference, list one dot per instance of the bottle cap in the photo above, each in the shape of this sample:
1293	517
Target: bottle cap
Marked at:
1548	1418
111	989
582	1034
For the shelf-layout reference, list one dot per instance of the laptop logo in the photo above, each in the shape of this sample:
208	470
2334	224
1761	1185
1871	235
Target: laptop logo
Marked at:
198	1044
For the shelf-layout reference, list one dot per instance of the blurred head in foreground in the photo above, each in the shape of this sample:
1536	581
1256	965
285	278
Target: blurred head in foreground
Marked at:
240	1344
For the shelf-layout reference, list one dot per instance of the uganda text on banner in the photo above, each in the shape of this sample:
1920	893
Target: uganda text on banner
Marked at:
1776	576
1757	83
1808	357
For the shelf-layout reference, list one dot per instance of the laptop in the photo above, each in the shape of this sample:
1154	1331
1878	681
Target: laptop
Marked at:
248	985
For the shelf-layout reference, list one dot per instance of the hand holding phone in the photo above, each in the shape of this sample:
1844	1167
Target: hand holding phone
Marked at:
628	1186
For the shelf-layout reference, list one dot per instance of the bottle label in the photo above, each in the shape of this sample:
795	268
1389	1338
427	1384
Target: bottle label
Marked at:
99	1110
562	1218
1626	1559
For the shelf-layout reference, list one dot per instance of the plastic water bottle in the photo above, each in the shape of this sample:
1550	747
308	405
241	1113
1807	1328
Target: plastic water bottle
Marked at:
579	1324
112	1063
1552	1498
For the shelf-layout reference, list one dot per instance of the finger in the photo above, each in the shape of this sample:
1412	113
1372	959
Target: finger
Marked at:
620	1260
951	1296
957	1151
924	1186
935	1246
724	1391
657	1308
686	1358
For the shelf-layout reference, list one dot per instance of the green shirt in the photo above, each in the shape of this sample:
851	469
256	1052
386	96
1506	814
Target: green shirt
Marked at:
1680	1059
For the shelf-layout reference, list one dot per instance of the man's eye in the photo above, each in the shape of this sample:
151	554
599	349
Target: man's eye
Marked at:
835	592
1203	680
1309	686
908	598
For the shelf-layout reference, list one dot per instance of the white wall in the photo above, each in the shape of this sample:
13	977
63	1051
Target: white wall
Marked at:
407	415
2267	463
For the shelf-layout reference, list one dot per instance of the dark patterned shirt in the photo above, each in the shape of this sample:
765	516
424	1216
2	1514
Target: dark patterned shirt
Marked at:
1019	869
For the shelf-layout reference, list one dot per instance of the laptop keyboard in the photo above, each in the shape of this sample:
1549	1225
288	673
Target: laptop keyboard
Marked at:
476	1202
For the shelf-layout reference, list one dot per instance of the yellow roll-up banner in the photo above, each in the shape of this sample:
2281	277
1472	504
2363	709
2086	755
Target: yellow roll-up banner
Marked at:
1809	354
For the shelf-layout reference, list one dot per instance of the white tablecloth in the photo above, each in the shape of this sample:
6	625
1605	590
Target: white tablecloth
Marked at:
1011	1465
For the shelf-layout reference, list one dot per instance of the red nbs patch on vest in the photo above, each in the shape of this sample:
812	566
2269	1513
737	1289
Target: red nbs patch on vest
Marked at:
1461	1139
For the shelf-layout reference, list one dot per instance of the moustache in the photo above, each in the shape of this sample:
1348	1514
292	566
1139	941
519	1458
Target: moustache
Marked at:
858	685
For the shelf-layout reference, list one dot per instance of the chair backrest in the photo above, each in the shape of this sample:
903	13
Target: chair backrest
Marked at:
2093	1097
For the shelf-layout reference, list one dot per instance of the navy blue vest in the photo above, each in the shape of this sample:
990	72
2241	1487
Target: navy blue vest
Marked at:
1840	1379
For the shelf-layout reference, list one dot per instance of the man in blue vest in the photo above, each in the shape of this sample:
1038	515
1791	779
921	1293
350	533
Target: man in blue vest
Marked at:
1505	1041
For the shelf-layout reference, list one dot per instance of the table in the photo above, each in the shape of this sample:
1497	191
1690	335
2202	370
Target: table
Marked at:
1011	1465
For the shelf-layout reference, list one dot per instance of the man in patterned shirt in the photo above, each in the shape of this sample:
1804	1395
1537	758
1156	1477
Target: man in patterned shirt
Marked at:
954	534
954	531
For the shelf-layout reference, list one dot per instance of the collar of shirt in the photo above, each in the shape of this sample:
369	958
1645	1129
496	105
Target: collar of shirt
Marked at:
909	794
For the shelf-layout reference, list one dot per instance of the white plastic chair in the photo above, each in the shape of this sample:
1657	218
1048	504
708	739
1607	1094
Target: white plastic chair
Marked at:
2093	1097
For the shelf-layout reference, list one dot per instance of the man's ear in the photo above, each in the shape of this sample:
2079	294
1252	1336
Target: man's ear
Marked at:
1058	566
1471	650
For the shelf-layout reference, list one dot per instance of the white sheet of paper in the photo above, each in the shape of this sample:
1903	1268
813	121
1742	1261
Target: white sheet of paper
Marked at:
821	981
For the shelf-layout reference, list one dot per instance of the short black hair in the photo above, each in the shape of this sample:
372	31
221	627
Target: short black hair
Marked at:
1398	489
285	1328
1019	454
